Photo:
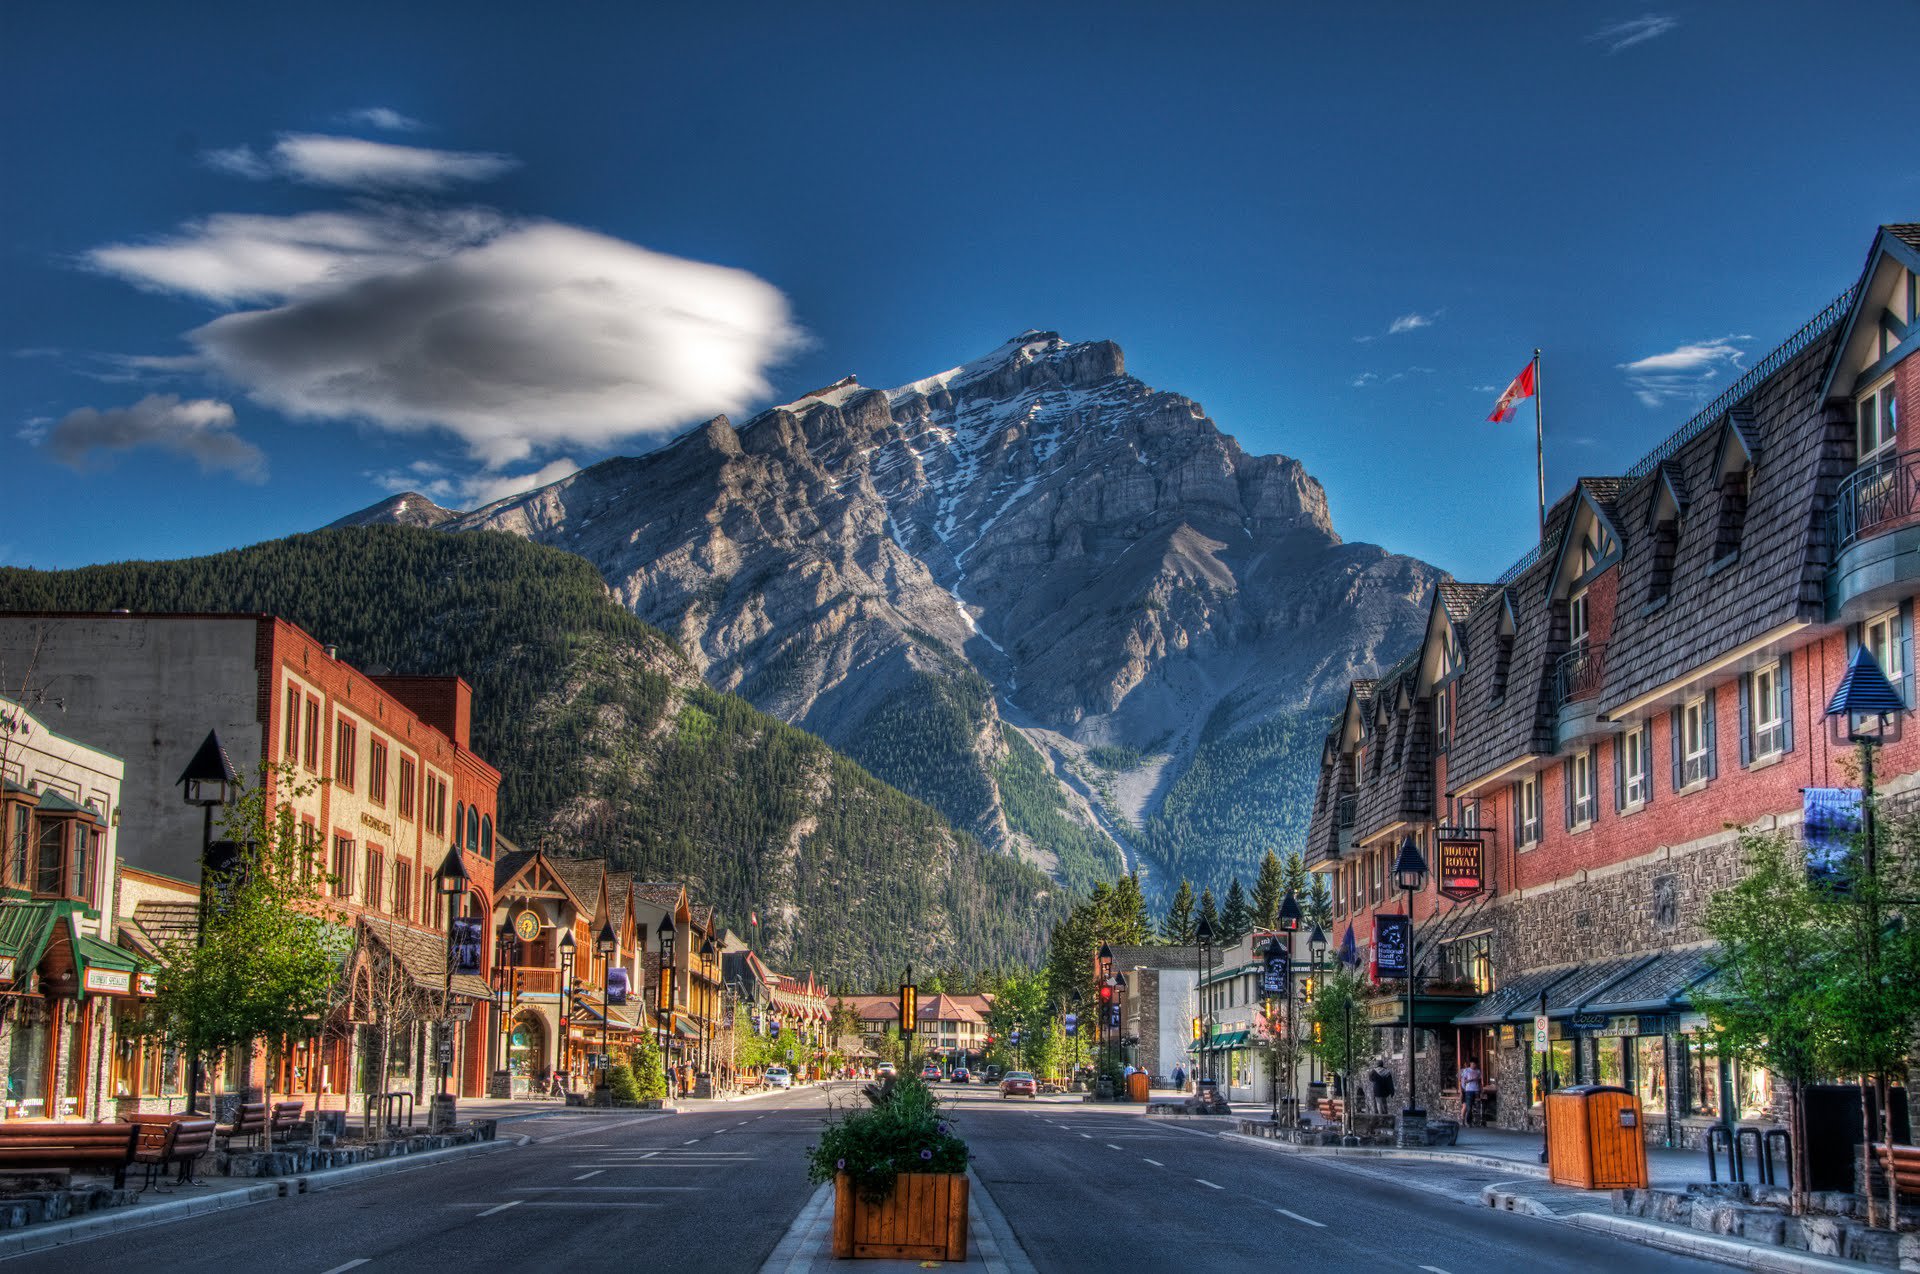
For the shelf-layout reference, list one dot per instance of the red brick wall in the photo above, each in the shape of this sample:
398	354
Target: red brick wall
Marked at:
445	703
1906	392
1601	595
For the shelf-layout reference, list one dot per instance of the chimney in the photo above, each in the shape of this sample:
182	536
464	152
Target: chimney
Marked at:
333	652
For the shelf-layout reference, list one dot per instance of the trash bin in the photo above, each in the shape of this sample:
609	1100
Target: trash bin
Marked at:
1137	1086
1594	1139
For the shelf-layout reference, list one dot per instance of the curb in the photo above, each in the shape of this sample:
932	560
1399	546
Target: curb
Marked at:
120	1220
1710	1247
1503	1201
1514	1166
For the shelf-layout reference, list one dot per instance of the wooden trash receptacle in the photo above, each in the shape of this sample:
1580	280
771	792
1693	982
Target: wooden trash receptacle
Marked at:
1138	1086
1594	1138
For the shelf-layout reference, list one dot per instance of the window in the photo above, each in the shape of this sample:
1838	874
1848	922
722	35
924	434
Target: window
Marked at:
22	837
486	837
407	774
459	823
1650	1073
311	753
1339	892
1693	742
1577	619
83	842
50	853
313	852
291	744
473	827
343	867
1882	636
376	878
377	771
1876	423
1526	811
1769	730
1633	768
403	889
1377	875
1469	960
1580	803
346	738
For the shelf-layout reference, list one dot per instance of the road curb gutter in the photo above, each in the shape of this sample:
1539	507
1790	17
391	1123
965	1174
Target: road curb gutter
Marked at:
1514	1166
118	1220
314	1182
1709	1247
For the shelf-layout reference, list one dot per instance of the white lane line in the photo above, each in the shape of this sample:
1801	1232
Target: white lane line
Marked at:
354	1264
1434	1268
1111	1146
1208	1184
585	1175
719	1131
1087	1135
741	1124
689	1141
1155	1162
1321	1225
511	1203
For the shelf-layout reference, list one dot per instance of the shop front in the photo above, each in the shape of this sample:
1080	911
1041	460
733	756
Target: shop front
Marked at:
60	988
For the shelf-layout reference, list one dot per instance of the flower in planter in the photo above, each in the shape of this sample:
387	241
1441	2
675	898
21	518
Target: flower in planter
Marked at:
926	1154
840	1165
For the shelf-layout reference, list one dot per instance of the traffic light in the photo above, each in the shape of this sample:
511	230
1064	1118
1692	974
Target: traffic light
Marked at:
1106	993
1306	990
1196	1028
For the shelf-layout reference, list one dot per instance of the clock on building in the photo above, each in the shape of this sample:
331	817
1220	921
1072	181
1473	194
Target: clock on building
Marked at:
527	926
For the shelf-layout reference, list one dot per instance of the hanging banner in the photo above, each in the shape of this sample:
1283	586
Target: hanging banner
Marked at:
1073	1026
1390	935
1462	867
1830	819
616	985
466	944
1273	976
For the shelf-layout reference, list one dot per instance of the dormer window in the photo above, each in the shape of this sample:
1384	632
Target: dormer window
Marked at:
1443	715
1666	544
1577	619
1733	514
1876	423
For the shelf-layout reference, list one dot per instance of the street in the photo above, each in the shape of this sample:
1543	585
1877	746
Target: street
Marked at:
1083	1187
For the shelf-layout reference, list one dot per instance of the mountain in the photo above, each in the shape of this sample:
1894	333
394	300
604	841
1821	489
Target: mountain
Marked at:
1056	603
409	508
609	742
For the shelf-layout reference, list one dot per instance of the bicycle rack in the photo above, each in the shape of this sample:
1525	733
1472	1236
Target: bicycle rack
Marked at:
1785	1139
1717	1133
1762	1168
391	1107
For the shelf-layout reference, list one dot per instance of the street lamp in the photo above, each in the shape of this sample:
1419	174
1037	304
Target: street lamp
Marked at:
605	944
707	952
451	880
208	780
1290	915
509	948
1410	873
663	997
1272	955
1203	938
567	948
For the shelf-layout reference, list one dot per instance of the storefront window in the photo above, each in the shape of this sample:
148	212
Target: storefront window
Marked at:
73	1046
1610	1062
27	1066
1703	1077
1650	1072
1753	1086
1557	1071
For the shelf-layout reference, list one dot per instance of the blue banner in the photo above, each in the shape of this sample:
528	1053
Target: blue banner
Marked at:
1390	935
616	985
466	944
1830	820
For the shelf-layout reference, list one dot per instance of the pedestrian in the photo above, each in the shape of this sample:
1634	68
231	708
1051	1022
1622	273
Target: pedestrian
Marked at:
1179	1078
1382	1081
1469	1092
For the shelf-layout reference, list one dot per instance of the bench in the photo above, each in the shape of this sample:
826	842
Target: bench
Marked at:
287	1116
170	1139
250	1123
1333	1109
1904	1163
63	1148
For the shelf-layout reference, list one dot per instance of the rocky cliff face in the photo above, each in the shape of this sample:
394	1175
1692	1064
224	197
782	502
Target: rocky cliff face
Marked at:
1035	537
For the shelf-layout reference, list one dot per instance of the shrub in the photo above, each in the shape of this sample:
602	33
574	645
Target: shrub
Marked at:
620	1080
903	1132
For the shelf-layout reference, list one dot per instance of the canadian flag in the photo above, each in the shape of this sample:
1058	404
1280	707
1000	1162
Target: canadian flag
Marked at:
1522	387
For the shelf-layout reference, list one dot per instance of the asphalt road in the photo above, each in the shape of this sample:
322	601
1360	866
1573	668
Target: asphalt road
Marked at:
1089	1188
708	1191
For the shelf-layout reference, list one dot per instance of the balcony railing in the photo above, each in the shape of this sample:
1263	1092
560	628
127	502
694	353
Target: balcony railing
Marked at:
537	981
1580	673
1877	494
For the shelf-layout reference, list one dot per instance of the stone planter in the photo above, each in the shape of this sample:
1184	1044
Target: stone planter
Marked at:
925	1219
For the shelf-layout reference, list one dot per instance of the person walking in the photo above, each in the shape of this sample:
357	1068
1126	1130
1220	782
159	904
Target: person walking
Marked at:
1179	1078
1469	1093
1382	1081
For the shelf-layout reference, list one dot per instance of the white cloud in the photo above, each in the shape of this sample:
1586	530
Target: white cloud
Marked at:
1624	35
384	117
1685	372
1410	323
351	163
1364	379
470	491
1484	389
200	429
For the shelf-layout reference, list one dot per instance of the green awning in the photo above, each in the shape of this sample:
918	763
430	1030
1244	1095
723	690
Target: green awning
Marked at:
25	930
55	803
104	968
1226	1039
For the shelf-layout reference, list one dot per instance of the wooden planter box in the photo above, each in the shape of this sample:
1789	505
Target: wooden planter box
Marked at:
925	1218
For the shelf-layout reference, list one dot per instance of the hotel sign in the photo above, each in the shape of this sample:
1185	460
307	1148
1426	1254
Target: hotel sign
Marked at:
1462	866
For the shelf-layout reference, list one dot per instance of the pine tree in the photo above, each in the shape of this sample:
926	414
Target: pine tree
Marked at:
1210	912
1236	916
1267	892
1320	904
1127	918
1177	929
1297	877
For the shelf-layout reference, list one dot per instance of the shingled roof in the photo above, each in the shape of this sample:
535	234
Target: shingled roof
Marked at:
1906	232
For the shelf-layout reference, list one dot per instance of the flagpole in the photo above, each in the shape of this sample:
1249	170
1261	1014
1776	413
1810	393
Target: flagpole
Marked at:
1539	446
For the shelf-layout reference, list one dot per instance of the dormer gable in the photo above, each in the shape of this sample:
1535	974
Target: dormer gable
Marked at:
1669	503
1883	323
1589	544
1735	452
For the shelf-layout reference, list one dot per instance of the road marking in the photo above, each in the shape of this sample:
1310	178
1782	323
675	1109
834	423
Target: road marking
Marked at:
354	1264
741	1124
596	1172
716	1132
1155	1162
1435	1268
1321	1225
1087	1135
511	1203
1208	1184
690	1141
1111	1146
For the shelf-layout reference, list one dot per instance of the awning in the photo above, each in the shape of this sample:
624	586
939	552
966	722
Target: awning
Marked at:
25	930
1661	986
1494	1007
1569	994
612	1015
686	1029
54	803
1226	1039
104	968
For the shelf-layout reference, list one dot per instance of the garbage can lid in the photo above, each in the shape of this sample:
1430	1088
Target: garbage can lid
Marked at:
1582	1090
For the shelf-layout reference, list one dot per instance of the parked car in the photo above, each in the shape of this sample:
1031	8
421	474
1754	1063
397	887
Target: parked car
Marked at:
931	1073
779	1077
961	1075
1019	1084
990	1074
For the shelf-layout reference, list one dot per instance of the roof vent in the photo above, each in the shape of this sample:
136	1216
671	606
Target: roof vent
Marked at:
333	652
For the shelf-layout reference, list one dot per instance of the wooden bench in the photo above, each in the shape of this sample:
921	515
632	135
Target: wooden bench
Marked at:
251	1122
286	1117
1904	1163
165	1140
63	1148
1334	1109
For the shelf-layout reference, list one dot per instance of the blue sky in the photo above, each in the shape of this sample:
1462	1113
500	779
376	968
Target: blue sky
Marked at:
265	263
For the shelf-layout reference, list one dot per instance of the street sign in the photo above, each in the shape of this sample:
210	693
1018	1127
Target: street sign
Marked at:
1540	1033
1462	866
445	1051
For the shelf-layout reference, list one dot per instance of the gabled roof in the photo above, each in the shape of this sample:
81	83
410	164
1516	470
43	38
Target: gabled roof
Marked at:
1669	493
1593	501
423	958
1894	243
1452	603
1738	447
537	874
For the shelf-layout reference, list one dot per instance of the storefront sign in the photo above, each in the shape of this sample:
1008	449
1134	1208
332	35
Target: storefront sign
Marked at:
109	981
1628	1024
1830	819
1462	867
147	984
1390	935
6	968
1385	1012
1273	977
1589	1021
1694	1023
1542	1033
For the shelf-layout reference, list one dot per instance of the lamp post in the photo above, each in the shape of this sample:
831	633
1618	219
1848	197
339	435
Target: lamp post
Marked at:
604	944
451	880
707	953
663	998
567	949
1272	955
1316	951
1410	873
208	780
1289	922
509	947
1203	938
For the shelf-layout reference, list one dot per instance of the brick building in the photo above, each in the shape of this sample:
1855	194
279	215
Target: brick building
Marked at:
1602	719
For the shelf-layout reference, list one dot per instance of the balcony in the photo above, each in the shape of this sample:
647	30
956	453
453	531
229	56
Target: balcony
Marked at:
1872	529
1578	677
